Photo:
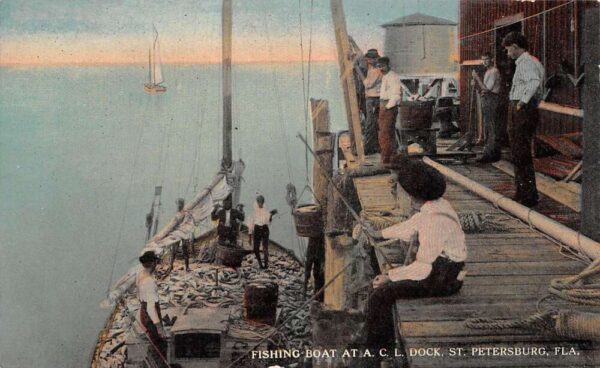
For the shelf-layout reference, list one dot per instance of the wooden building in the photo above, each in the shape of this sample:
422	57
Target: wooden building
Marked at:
421	44
554	30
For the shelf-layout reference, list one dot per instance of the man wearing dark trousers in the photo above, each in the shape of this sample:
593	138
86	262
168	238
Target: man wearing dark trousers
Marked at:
389	97
258	230
229	222
524	98
490	96
440	257
315	262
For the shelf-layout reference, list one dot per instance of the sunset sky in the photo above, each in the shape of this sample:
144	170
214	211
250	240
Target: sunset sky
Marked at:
117	31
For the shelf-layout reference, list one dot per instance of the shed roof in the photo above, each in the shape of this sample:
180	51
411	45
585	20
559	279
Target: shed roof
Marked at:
418	19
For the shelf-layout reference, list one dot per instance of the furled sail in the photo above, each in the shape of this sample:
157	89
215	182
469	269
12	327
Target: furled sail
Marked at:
182	225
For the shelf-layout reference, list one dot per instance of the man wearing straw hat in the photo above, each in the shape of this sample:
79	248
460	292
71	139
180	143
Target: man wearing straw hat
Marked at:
440	258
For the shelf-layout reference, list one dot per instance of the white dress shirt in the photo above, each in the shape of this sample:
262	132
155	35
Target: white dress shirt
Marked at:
440	234
148	292
260	217
528	78
491	80
391	89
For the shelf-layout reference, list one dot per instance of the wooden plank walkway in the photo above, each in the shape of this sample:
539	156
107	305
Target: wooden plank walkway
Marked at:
509	268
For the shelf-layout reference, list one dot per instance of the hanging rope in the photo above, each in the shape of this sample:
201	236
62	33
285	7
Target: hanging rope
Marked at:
127	196
516	21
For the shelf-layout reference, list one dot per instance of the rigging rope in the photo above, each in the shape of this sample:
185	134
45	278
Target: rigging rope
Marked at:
127	196
516	21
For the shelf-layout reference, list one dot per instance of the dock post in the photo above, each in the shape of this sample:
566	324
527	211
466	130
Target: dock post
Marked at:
590	185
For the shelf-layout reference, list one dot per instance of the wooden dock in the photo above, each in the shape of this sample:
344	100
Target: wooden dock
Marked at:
509	268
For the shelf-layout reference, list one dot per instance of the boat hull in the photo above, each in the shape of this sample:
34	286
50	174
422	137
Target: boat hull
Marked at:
154	88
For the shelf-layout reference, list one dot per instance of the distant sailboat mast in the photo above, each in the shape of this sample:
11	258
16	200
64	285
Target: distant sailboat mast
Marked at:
149	66
155	69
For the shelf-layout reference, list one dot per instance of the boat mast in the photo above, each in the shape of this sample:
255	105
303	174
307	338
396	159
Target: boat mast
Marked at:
347	76
149	65
154	60
226	65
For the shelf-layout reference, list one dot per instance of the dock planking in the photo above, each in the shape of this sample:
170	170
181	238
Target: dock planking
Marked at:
508	271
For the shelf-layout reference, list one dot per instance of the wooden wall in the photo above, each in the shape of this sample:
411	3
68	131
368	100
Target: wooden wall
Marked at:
553	37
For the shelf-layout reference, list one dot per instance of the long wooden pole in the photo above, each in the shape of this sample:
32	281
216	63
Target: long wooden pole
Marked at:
590	185
546	225
226	67
347	76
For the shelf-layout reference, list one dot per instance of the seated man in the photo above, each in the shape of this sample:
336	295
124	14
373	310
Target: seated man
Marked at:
440	257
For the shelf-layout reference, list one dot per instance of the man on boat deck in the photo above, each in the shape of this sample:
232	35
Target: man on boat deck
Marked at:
389	96
185	244
150	316
440	256
229	222
258	230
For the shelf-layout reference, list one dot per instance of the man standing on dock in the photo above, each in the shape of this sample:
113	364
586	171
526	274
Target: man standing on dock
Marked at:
524	96
490	95
440	256
150	316
372	84
258	230
390	95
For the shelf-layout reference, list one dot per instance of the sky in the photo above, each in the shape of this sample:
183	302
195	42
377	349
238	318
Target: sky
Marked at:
117	31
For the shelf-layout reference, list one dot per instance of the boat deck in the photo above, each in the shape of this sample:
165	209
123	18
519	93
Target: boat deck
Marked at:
508	269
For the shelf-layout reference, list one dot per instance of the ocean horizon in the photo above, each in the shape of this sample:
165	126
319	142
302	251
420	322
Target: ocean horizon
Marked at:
81	150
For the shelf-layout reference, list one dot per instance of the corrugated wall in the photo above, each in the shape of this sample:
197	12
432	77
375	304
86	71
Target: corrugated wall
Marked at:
427	49
553	37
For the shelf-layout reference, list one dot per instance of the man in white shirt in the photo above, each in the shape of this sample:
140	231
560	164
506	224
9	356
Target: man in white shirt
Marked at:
524	96
440	256
389	97
150	316
490	98
258	230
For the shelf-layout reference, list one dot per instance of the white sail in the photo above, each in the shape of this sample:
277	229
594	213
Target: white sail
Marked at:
158	78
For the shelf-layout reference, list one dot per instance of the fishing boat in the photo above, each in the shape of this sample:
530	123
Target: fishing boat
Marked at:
202	309
155	77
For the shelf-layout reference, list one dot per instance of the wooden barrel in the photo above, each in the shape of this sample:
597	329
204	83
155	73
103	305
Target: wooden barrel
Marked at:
309	220
229	256
260	302
416	114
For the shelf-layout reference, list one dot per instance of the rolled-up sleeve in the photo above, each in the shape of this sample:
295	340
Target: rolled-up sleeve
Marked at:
431	242
395	91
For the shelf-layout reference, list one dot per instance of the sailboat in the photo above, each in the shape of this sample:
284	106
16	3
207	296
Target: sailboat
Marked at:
201	335
155	77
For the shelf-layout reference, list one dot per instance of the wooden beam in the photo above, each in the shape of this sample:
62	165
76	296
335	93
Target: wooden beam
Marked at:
560	109
568	194
323	146
226	69
591	129
347	76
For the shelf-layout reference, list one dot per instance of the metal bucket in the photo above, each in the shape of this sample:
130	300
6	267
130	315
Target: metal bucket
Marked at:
309	220
229	256
416	114
260	302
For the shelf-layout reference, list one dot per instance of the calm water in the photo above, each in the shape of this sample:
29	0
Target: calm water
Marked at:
81	149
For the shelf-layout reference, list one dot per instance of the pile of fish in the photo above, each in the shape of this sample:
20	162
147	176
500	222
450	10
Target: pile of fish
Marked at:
209	285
